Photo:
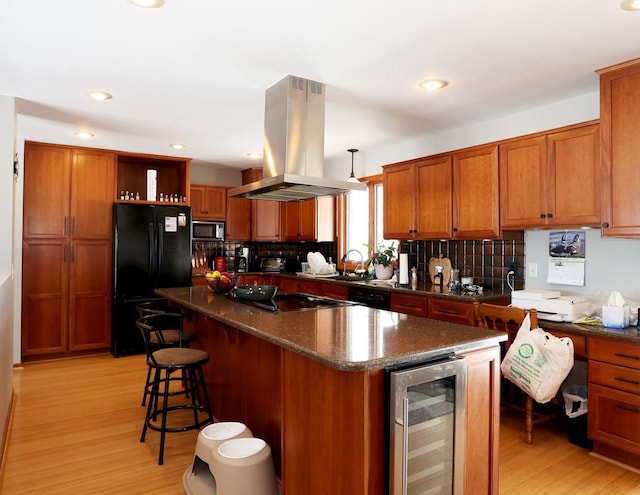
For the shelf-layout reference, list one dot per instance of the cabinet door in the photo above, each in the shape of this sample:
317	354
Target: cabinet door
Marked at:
574	177
308	220
613	418
453	311
197	202
208	202
290	227
47	186
523	183
265	220
476	194
620	126
238	219
45	276
92	192
90	295
326	219
399	201
433	207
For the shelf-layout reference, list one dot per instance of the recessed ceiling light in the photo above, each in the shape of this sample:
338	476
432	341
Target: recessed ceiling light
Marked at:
177	146
147	4
254	155
630	5
100	95
84	134
433	84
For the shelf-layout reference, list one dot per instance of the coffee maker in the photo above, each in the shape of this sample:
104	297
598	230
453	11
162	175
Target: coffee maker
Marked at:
242	260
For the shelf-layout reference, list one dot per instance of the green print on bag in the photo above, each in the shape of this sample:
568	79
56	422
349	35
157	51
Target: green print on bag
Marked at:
525	351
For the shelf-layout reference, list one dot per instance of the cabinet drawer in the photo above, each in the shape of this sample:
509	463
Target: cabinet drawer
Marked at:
614	417
453	311
618	377
335	291
614	352
410	304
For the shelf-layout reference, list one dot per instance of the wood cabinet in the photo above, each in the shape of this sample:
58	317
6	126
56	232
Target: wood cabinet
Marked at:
208	202
238	219
551	179
476	199
453	311
620	126
265	220
418	199
67	249
308	220
172	176
614	399
412	304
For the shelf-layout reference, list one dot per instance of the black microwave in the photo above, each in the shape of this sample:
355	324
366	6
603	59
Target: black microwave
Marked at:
202	230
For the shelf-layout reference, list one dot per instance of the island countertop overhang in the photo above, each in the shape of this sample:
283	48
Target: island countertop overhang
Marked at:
349	338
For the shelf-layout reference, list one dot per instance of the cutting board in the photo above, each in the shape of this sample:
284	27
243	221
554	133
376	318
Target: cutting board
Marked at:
445	263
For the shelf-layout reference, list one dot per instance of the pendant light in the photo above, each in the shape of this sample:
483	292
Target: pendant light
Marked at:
352	177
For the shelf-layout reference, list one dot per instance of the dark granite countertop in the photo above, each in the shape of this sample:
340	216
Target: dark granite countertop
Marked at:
421	288
350	338
629	334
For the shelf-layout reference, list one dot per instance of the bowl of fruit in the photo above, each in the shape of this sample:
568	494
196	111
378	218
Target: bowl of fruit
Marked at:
220	282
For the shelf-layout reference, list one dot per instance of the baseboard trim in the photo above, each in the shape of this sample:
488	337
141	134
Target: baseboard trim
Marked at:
5	431
613	461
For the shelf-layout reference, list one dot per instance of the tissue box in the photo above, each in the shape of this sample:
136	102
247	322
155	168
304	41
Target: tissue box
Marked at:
615	316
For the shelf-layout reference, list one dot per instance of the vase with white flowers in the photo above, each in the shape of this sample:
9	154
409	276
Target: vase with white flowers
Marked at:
383	258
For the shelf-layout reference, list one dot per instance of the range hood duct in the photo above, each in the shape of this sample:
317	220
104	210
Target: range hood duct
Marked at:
293	167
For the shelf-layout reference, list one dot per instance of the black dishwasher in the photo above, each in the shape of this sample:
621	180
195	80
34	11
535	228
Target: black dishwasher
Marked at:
374	298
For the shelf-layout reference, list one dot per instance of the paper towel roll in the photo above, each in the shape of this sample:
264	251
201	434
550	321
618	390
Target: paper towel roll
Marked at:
404	268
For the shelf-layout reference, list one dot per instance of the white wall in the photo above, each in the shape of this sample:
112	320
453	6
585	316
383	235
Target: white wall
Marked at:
7	147
610	264
204	174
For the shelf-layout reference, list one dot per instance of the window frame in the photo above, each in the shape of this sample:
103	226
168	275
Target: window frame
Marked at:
341	230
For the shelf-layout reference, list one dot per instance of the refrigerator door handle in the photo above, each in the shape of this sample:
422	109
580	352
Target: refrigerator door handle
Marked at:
152	252
160	244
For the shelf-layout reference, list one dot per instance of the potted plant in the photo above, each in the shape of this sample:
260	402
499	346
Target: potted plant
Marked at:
383	259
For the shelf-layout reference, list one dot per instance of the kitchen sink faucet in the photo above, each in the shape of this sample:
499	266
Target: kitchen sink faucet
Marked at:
346	257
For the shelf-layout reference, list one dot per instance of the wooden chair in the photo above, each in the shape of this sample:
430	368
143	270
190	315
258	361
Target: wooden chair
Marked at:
508	319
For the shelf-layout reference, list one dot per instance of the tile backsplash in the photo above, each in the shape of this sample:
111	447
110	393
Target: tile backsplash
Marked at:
488	261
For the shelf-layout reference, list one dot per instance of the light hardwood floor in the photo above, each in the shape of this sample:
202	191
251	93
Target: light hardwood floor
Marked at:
76	428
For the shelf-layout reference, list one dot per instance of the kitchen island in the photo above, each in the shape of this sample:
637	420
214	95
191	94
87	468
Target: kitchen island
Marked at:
311	383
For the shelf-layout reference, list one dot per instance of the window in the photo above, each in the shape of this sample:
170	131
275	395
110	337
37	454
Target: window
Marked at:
361	219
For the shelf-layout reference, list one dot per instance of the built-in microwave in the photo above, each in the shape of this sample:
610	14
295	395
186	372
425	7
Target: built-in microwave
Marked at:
202	230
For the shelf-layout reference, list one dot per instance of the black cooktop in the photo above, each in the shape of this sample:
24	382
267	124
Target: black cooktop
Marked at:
294	301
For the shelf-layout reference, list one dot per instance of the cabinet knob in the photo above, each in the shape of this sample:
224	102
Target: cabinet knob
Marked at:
455	229
605	225
542	215
549	215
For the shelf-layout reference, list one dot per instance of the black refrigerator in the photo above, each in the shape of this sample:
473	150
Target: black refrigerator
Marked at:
152	248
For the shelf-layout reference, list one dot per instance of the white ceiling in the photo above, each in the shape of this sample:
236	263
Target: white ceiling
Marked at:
195	71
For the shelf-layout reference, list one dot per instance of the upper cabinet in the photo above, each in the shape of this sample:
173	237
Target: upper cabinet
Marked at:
172	177
238	219
476	193
418	199
309	220
620	126
539	185
208	202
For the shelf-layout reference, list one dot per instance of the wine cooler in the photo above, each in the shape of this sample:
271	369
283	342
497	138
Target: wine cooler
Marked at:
425	438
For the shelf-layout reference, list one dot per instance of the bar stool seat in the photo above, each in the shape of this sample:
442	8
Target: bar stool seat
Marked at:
164	399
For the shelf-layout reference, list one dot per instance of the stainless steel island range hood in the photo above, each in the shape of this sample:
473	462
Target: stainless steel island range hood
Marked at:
293	167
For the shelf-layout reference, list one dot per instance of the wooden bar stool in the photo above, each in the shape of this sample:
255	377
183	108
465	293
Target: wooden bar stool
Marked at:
188	398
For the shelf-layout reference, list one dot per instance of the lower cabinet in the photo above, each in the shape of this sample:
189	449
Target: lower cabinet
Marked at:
410	304
614	399
453	311
66	301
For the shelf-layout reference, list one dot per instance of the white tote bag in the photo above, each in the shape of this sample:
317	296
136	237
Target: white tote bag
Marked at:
537	361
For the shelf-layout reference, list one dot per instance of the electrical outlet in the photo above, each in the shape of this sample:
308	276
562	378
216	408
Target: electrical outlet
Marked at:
533	270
